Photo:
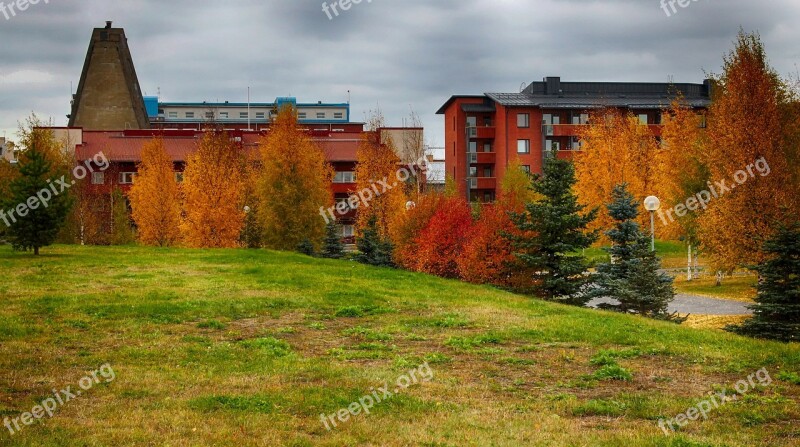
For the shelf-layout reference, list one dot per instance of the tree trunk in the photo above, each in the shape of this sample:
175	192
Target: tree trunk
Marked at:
689	275
719	278
36	251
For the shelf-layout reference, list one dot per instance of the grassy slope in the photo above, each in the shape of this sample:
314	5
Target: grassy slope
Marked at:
178	327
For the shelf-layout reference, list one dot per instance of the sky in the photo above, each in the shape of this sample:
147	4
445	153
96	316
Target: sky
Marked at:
392	55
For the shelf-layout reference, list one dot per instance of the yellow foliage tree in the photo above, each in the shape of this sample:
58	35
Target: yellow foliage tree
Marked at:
378	181
294	183
154	197
213	193
680	170
747	124
616	149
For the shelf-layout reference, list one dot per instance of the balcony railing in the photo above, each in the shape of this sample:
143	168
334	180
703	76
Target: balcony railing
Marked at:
482	182
482	157
481	132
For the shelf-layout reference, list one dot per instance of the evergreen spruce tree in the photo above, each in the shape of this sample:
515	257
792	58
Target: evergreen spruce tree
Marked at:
777	310
633	276
332	247
306	247
552	234
372	249
40	224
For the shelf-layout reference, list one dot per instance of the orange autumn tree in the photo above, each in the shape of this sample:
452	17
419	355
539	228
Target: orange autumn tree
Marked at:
154	197
408	226
377	177
488	254
616	149
441	241
294	182
747	124
680	170
213	192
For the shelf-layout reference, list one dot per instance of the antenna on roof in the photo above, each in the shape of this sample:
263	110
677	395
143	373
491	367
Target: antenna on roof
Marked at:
671	79
348	97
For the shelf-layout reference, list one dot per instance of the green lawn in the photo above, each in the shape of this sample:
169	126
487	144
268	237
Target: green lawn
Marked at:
235	347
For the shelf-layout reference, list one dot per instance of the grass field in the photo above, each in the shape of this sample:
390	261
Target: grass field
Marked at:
248	348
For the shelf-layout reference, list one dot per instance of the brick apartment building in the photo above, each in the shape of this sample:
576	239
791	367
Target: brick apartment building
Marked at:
484	133
110	114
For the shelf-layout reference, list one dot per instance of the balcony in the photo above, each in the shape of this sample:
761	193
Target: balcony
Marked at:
482	157
481	132
563	130
482	182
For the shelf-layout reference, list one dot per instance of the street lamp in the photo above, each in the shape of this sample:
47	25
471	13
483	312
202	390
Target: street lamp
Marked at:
652	204
247	226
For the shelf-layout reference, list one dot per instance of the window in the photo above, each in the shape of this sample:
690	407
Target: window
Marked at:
209	115
179	177
473	147
189	114
550	145
345	177
126	178
243	115
98	178
583	118
301	115
320	115
347	231
523	146
523	120
487	147
643	118
261	115
223	115
526	168
173	114
487	172
473	171
338	115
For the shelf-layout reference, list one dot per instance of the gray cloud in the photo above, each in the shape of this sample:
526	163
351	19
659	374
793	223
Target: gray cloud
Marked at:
392	54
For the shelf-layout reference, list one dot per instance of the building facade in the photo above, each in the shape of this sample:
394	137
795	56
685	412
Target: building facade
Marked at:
484	133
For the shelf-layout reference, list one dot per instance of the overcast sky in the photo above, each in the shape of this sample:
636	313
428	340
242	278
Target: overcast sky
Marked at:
391	54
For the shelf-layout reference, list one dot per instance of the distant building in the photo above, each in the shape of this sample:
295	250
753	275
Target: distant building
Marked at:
8	151
484	133
110	115
435	173
108	95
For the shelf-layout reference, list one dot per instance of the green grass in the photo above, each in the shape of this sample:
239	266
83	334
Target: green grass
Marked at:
237	347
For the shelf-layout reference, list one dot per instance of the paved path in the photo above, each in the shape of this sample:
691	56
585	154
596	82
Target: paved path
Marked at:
699	305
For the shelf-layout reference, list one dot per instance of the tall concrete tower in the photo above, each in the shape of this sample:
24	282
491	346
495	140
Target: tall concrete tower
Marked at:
108	96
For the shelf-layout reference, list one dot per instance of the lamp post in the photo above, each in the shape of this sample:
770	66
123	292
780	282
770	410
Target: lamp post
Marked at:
247	226
652	204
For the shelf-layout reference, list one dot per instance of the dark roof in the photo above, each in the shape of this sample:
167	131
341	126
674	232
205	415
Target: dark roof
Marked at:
455	97
551	93
588	102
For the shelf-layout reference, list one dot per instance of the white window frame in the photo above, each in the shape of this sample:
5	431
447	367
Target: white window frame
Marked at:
344	177
172	114
338	115
526	120
261	115
348	231
526	144
302	115
98	178
126	178
190	115
223	115
321	115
